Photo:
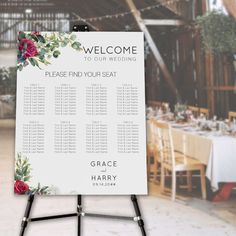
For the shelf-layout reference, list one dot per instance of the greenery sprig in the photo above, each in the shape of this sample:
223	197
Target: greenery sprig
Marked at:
22	171
35	48
218	32
23	176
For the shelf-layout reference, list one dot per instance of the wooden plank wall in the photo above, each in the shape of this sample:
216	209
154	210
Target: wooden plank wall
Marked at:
11	23
183	8
203	79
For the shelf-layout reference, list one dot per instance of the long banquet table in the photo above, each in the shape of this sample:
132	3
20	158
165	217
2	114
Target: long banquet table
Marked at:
216	151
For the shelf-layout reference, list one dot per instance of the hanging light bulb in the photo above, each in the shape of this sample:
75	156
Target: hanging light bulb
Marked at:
28	11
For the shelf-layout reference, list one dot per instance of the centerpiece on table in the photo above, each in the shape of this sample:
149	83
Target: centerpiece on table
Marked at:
182	114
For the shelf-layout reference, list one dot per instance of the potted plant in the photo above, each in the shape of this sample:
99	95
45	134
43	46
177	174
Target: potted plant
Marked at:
218	32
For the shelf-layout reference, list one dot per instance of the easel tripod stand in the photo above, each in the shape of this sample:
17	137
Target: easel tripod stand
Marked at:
79	212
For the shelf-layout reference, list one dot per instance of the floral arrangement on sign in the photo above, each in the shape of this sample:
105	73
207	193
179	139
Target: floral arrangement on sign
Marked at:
22	178
35	48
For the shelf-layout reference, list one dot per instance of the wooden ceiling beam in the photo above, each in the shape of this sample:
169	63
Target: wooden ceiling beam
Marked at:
230	6
167	75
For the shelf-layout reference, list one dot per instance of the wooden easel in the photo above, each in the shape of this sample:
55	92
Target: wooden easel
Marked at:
79	212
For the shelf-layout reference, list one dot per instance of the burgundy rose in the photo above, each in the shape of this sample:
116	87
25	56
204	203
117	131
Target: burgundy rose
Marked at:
36	33
20	187
27	48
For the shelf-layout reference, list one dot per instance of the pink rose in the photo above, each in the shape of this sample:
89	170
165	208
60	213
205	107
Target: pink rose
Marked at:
20	187
27	48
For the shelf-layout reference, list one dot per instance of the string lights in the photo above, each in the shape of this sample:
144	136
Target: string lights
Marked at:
89	21
123	14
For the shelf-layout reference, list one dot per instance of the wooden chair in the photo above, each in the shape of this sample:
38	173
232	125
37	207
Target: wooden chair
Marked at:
152	162
232	115
152	153
174	161
195	110
204	111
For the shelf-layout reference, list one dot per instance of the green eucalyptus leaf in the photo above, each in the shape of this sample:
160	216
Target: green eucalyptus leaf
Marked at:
37	64
16	177
41	39
20	67
73	37
76	45
26	63
64	44
25	46
28	36
21	35
42	51
56	53
24	170
46	62
34	37
41	57
32	61
26	179
56	44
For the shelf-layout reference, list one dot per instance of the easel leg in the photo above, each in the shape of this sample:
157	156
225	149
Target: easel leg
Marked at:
138	214
79	209
26	215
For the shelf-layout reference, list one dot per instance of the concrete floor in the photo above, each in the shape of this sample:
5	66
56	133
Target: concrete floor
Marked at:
190	216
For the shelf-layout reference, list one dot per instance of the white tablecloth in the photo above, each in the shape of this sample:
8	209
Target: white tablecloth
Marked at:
218	153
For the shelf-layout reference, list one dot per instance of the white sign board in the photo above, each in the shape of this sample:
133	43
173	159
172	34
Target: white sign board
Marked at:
80	115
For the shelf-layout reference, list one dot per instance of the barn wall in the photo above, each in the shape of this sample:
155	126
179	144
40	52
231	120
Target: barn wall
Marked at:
203	79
